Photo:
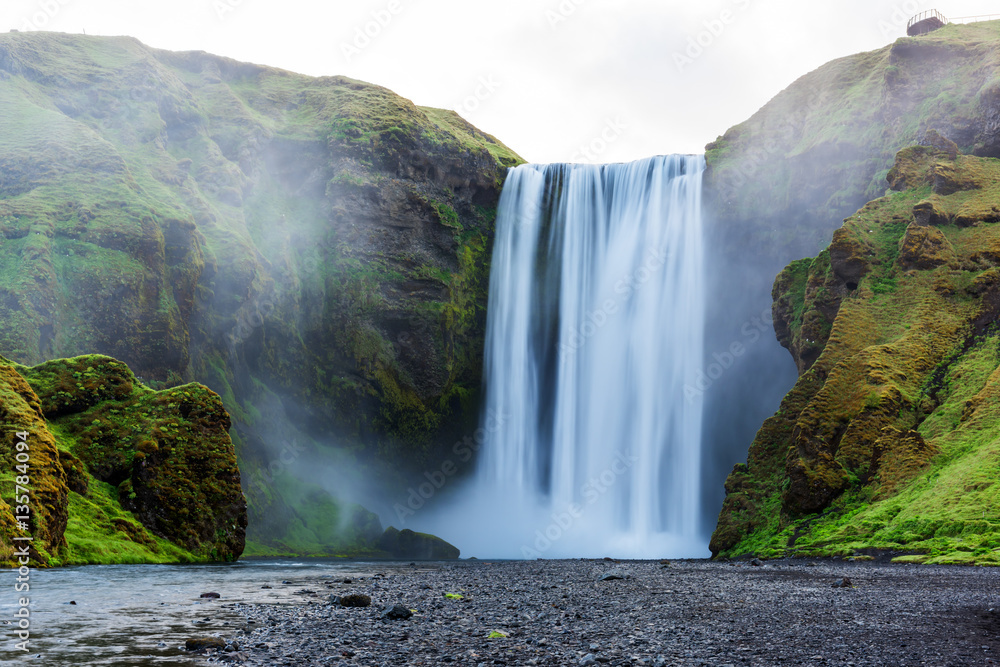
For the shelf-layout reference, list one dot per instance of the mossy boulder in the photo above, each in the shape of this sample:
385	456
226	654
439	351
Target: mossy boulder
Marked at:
924	248
406	544
119	472
888	439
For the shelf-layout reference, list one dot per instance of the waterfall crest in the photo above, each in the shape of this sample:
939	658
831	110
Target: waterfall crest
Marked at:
596	321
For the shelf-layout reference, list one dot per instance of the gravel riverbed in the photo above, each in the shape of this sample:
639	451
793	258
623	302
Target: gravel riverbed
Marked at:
657	613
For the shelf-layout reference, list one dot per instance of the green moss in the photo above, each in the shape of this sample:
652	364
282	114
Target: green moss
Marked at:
101	532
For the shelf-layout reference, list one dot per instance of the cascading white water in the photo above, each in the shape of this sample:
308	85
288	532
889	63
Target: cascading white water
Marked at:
595	324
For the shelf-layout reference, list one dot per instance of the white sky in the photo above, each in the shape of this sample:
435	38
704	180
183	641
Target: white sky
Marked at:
551	76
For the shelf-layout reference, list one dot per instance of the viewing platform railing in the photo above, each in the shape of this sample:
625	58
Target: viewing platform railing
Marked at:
926	22
929	15
975	19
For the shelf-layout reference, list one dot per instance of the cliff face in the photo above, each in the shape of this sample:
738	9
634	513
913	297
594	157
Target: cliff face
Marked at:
890	437
313	249
779	186
115	471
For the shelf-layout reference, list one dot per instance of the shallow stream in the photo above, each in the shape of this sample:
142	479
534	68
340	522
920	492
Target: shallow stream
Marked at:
141	615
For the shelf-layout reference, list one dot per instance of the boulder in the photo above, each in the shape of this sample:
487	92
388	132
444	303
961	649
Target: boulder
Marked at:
408	545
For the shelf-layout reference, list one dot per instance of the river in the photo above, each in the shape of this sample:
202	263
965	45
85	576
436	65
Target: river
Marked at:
140	615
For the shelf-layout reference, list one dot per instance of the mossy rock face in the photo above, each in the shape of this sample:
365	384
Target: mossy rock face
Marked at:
167	452
889	439
21	412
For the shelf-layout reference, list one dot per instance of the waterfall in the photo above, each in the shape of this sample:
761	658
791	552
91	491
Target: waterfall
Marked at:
595	324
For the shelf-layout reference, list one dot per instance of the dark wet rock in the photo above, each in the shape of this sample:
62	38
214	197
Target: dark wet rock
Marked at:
204	643
396	612
355	600
843	583
210	595
756	562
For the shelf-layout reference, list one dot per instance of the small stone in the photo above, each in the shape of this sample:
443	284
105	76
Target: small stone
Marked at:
235	657
204	643
843	583
588	659
756	562
265	586
612	575
210	594
396	612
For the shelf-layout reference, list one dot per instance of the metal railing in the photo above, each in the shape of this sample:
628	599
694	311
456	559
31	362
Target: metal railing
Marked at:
975	19
923	16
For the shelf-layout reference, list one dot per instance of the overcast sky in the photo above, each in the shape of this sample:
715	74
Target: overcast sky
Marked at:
556	80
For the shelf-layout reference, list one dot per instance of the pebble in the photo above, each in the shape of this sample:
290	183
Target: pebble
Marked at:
557	613
396	612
